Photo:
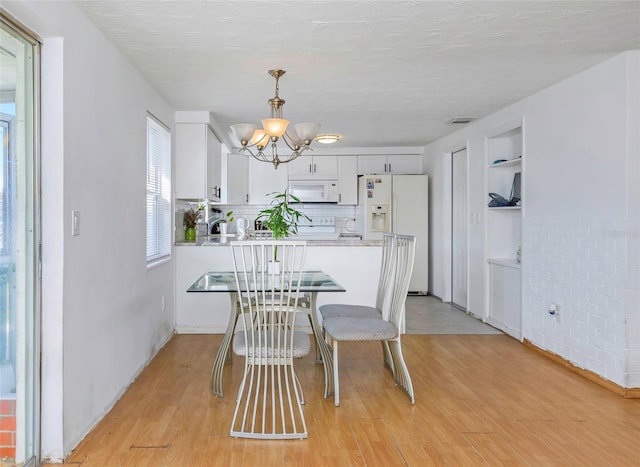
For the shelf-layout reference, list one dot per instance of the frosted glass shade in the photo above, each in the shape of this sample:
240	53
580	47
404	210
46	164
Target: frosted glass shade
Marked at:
243	131
275	126
307	131
260	138
292	135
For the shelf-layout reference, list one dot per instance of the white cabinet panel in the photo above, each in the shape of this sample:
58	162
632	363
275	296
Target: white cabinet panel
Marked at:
198	162
390	164
264	179
372	165
348	180
237	186
313	167
505	309
404	164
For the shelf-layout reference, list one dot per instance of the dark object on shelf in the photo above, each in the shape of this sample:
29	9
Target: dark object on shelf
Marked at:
497	201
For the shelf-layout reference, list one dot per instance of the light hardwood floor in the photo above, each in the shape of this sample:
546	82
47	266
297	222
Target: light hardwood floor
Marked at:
480	400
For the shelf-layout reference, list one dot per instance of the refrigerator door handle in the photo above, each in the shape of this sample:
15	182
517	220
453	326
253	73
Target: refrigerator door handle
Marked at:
392	224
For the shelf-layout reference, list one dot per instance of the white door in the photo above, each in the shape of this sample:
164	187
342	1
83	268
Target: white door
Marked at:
459	218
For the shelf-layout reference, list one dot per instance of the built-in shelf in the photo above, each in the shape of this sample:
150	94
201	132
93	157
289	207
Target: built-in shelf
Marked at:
504	228
506	262
505	208
507	163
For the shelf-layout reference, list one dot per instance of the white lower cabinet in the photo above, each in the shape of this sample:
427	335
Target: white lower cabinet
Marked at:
505	297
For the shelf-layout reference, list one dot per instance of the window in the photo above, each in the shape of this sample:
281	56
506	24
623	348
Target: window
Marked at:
158	191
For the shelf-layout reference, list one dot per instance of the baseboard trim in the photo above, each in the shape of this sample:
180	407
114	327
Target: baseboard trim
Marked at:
627	393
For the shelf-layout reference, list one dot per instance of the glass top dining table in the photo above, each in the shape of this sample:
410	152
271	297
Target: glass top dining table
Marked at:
312	282
224	281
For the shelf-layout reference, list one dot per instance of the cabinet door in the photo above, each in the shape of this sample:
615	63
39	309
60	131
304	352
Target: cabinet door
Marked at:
214	166
301	167
264	180
191	154
348	180
325	167
237	179
404	164
372	165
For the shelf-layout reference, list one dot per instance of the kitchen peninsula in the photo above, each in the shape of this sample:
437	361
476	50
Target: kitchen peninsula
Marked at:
353	263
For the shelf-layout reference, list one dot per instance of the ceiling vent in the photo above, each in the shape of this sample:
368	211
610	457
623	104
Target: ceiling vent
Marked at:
460	120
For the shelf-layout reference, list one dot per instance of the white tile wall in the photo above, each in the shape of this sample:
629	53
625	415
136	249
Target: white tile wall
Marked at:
632	299
344	215
582	266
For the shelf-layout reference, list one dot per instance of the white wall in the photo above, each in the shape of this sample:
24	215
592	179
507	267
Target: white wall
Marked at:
102	309
580	139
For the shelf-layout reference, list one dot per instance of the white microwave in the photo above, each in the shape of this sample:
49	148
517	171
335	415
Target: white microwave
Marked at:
314	191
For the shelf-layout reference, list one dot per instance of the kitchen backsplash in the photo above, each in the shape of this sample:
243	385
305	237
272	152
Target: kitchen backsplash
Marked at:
344	215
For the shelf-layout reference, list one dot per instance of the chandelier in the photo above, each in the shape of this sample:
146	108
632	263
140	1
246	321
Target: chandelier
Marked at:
298	138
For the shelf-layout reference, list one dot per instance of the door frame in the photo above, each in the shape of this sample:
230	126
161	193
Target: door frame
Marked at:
447	181
464	307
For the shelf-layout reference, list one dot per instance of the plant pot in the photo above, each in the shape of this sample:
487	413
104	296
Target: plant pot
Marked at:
190	234
273	267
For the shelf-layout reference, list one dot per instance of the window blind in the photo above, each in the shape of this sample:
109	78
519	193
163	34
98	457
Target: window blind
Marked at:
158	191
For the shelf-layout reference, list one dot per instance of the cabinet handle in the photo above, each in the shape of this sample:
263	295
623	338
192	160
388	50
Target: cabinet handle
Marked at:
385	167
339	197
247	197
389	167
314	168
310	171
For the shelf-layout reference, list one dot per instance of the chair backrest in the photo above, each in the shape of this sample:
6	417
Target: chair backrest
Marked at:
386	273
268	298
405	249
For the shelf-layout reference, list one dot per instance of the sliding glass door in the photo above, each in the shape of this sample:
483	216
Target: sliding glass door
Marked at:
19	240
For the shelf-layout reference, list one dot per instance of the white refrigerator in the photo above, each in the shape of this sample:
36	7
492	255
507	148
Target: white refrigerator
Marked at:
400	204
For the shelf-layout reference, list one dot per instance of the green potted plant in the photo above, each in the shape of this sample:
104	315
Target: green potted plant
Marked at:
280	218
190	220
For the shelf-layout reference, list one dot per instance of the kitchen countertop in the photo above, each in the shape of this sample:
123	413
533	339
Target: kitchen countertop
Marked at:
218	240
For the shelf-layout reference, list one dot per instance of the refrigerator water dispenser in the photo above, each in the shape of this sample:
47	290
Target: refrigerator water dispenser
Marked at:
379	217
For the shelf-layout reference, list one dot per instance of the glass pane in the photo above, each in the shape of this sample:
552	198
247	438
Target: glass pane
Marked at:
18	284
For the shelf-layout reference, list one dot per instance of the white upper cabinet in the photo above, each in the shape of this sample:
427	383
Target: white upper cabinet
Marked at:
313	167
348	180
237	191
390	164
198	162
264	179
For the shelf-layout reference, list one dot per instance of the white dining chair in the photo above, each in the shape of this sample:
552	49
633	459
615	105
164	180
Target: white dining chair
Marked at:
270	397
381	308
388	329
335	310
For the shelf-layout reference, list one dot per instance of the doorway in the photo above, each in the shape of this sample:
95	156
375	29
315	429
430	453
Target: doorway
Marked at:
19	246
459	228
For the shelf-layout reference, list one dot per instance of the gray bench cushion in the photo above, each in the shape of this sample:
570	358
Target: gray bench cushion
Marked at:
360	329
336	310
301	343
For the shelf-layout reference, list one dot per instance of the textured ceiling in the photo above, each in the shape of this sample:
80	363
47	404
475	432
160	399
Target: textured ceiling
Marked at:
380	73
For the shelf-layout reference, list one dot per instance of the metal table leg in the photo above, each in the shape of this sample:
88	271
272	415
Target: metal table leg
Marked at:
321	343
224	354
